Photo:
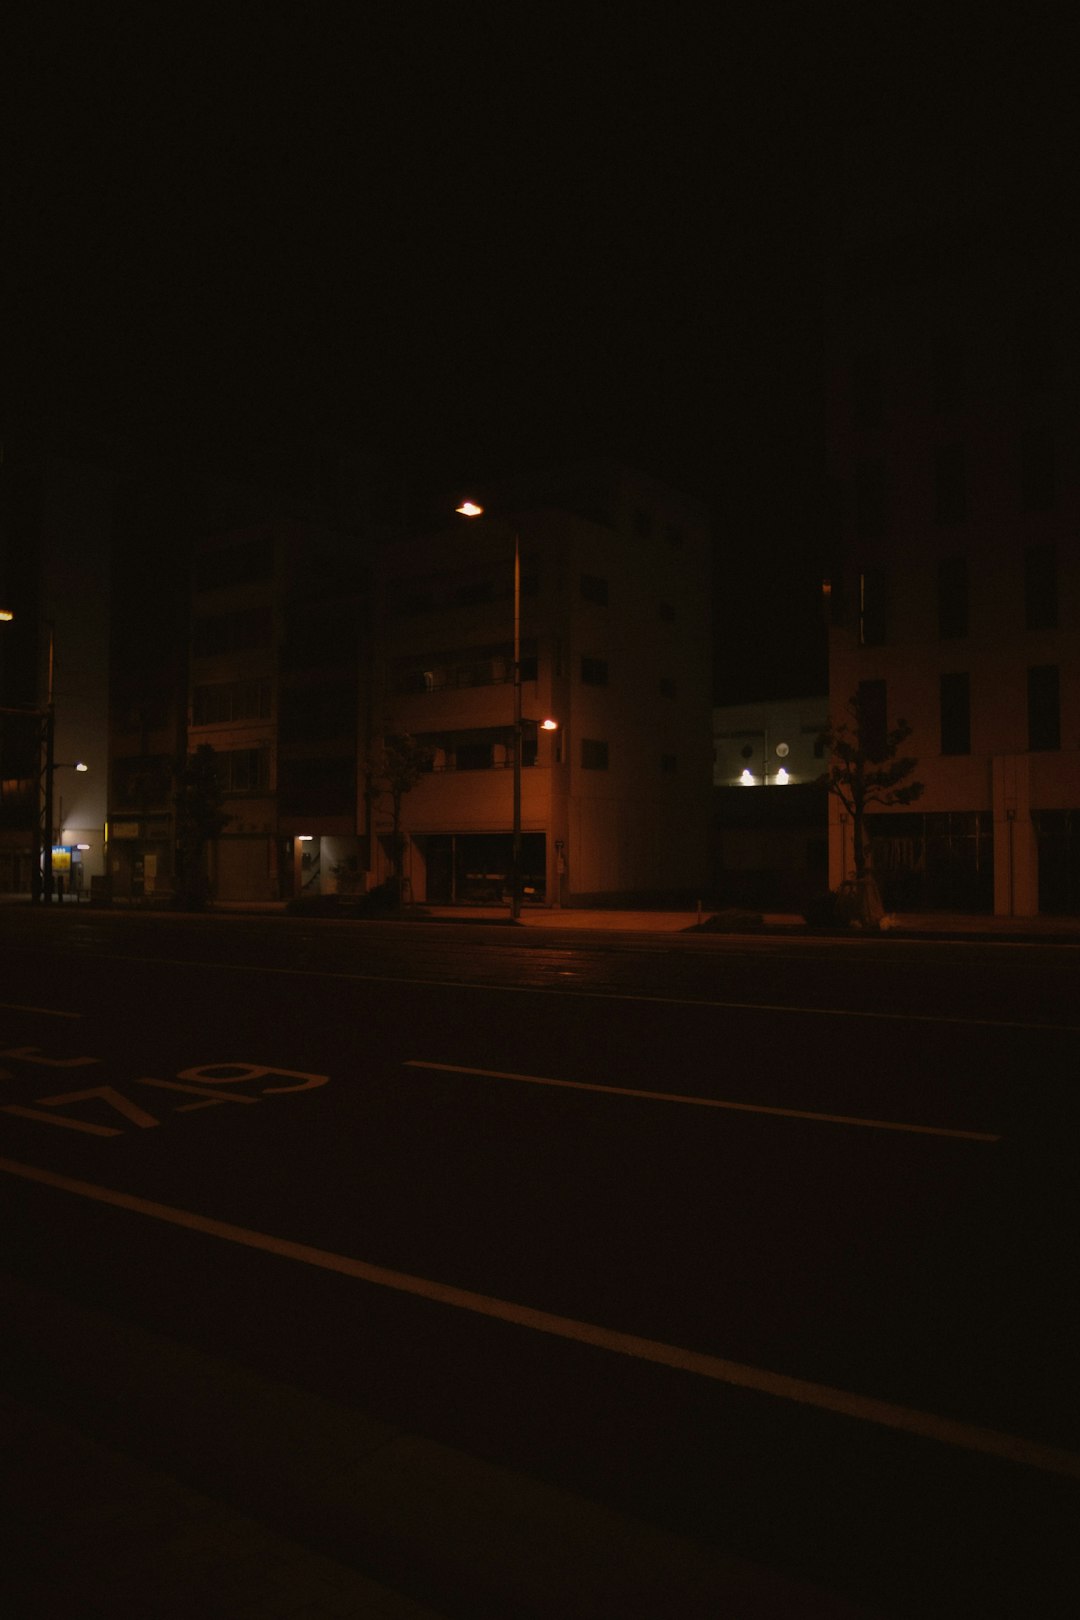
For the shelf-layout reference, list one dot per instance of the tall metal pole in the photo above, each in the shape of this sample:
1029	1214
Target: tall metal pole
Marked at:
50	767
515	858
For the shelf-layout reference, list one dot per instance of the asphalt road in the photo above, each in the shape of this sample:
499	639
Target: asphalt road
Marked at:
773	1242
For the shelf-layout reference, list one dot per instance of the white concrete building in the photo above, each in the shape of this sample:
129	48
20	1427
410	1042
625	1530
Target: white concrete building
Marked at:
955	599
615	614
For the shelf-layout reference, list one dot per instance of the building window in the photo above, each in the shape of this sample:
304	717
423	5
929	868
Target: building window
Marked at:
594	589
873	712
950	484
867	391
956	714
243	631
949	370
244	770
317	787
1038	472
594	754
873	613
1044	707
474	666
234	565
669	764
594	671
476	756
231	700
1038	354
952	597
1040	587
870	500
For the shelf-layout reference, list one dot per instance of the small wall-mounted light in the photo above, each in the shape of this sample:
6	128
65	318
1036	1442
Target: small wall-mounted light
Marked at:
746	779
782	775
549	725
79	766
82	846
304	838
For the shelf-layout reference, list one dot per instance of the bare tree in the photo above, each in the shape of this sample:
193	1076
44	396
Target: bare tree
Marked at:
396	762
199	820
866	768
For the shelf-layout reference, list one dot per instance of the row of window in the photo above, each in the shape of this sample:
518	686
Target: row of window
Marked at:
494	751
249	560
412	596
327	711
489	667
478	666
954	710
467	587
216	704
1040	596
1037	484
1036	369
245	630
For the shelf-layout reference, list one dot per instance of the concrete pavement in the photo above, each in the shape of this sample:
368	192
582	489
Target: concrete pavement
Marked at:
703	920
145	1480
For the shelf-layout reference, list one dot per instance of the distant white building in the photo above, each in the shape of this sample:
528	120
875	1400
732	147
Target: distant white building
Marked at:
769	816
955	599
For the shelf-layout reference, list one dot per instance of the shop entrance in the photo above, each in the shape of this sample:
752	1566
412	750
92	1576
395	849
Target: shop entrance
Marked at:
474	868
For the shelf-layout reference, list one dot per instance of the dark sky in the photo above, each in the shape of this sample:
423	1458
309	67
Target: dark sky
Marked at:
466	241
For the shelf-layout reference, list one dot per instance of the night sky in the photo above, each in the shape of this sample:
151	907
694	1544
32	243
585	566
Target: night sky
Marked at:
463	241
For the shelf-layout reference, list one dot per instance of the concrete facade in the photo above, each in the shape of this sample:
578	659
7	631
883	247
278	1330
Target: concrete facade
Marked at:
956	466
615	645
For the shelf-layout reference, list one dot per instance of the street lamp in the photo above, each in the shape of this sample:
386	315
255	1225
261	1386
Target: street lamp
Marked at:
43	814
41	843
470	509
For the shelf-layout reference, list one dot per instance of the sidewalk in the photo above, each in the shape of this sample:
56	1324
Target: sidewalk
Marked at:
149	1481
698	923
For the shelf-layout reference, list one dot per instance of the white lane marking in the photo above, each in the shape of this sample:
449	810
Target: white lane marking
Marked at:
886	1414
44	1012
705	1102
59	1119
593	995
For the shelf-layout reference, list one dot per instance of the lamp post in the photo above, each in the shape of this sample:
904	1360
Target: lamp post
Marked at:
50	767
42	847
41	842
470	509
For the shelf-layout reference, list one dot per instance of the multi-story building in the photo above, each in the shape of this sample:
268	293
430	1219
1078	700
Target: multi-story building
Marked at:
294	650
955	601
256	653
56	505
615	642
279	624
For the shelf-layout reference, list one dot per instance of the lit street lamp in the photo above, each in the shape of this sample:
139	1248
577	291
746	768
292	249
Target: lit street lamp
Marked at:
470	509
41	859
